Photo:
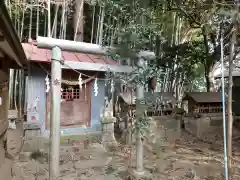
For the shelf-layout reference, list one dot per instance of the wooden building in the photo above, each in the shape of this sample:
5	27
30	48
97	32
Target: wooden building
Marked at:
11	56
203	102
236	95
81	108
162	103
235	87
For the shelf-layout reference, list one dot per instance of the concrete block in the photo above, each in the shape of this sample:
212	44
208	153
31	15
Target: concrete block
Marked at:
203	125
172	135
108	137
36	144
6	169
172	124
216	122
12	114
14	143
24	156
32	133
2	151
31	125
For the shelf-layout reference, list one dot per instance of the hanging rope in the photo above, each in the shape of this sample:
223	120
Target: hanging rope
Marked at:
72	82
79	72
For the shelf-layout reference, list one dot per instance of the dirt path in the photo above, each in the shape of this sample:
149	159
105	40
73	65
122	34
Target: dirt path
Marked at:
189	158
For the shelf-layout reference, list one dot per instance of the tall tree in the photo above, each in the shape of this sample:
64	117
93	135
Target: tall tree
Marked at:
78	20
232	50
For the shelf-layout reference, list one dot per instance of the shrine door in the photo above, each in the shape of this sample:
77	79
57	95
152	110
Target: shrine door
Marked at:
75	107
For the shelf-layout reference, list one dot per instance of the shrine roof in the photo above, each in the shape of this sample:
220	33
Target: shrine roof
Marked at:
75	60
34	53
204	97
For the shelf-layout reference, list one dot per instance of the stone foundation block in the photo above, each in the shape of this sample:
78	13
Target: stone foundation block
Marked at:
144	175
31	129
6	169
14	143
108	137
36	144
2	150
199	126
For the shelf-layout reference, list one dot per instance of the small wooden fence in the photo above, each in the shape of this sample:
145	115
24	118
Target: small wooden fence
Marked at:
209	110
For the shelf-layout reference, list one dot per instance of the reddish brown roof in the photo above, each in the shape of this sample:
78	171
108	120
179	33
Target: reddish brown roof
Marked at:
34	53
204	97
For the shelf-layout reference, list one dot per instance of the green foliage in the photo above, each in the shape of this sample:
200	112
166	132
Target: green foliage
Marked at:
150	26
141	125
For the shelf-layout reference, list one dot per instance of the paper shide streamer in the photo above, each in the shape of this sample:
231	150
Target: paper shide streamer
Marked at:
47	84
96	87
80	81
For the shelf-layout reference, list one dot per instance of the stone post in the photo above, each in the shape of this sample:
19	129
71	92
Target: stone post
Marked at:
139	143
107	119
139	171
108	137
56	73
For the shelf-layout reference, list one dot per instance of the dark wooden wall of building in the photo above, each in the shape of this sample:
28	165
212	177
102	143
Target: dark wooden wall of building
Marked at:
236	96
236	100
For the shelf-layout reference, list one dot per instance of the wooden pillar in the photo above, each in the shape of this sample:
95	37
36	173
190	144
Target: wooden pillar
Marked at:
56	74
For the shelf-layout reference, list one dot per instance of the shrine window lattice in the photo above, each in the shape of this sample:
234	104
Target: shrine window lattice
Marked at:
70	93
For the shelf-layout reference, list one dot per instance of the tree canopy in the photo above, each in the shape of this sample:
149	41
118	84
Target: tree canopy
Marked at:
184	35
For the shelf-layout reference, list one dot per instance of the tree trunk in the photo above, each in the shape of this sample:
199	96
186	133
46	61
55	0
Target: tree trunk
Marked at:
100	41
78	20
93	23
208	81
230	84
208	68
49	18
229	107
37	21
208	63
54	28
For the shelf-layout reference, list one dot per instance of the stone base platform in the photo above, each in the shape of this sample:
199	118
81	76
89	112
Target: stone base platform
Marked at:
144	175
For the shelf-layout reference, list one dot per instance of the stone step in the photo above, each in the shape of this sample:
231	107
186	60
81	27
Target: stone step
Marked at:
34	144
98	162
24	156
28	156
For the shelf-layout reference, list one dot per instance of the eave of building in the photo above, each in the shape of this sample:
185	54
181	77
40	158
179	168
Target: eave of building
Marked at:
10	45
75	60
97	67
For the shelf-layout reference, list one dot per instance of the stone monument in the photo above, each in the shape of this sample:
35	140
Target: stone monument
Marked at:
107	121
